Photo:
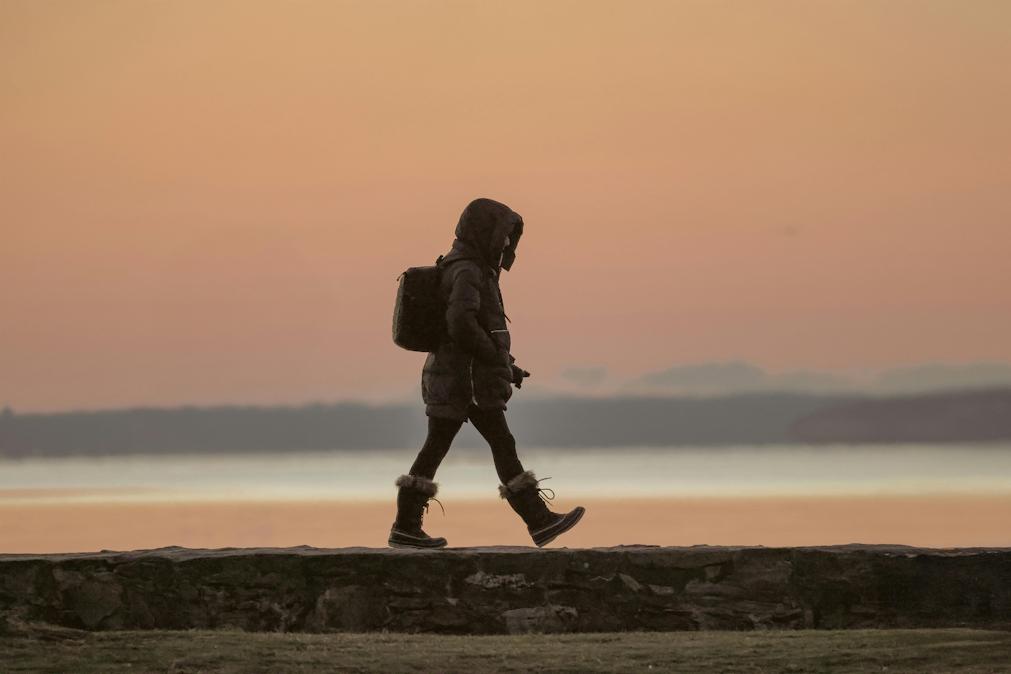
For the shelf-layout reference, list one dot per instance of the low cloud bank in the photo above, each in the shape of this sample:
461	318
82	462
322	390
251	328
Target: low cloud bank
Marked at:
732	377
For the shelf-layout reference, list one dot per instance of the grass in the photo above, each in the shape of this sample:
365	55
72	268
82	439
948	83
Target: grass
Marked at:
889	651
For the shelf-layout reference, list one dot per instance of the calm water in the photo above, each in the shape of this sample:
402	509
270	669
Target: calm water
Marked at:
722	472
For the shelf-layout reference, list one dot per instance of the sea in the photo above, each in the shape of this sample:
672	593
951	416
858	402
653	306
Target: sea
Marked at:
620	472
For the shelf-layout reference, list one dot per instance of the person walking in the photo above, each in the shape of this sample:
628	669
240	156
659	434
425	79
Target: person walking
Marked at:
469	377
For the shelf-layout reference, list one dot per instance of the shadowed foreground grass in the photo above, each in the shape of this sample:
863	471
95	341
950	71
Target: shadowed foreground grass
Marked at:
228	651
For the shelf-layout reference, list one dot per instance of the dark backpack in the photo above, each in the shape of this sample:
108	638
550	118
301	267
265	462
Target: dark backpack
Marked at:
419	314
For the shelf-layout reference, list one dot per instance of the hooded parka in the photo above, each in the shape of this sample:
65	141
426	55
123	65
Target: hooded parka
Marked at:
473	365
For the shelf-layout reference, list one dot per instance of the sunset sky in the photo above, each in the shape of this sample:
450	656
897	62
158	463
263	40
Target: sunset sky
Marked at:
210	202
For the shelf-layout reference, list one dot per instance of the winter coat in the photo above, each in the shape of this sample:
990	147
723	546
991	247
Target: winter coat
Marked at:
473	365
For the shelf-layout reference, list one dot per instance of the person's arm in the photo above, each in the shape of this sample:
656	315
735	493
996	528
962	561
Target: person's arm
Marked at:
461	317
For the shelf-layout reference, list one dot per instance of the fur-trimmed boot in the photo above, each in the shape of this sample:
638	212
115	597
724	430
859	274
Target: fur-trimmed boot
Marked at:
412	502
527	499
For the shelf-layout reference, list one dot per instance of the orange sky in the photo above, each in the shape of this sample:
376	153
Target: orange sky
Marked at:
210	201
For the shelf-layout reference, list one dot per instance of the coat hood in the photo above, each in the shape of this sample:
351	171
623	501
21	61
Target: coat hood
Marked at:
483	227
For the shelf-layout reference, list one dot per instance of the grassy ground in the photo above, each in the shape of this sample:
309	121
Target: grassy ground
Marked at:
921	651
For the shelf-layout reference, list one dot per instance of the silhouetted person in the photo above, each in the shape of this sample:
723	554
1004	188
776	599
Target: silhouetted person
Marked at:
470	376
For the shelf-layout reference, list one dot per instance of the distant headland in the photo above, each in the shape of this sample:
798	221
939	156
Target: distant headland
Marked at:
741	419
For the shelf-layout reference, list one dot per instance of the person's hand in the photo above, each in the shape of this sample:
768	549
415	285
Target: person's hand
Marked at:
519	374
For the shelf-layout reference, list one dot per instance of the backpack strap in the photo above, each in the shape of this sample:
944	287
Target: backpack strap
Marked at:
441	264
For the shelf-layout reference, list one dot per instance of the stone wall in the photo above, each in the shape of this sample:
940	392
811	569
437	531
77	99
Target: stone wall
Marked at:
509	590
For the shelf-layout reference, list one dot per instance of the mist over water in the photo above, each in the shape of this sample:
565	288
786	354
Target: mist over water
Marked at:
618	473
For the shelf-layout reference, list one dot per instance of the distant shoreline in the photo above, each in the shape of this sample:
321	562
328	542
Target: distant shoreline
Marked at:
742	419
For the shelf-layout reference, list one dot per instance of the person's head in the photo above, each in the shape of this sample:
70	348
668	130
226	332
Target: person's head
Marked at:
493	229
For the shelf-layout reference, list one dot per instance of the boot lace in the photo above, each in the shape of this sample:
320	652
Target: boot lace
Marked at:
543	491
432	498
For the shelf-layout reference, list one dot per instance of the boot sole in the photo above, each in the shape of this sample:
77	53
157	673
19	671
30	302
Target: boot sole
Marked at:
559	528
416	547
405	541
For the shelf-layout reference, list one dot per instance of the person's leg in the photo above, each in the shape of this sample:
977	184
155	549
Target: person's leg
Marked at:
416	488
520	487
440	436
492	426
